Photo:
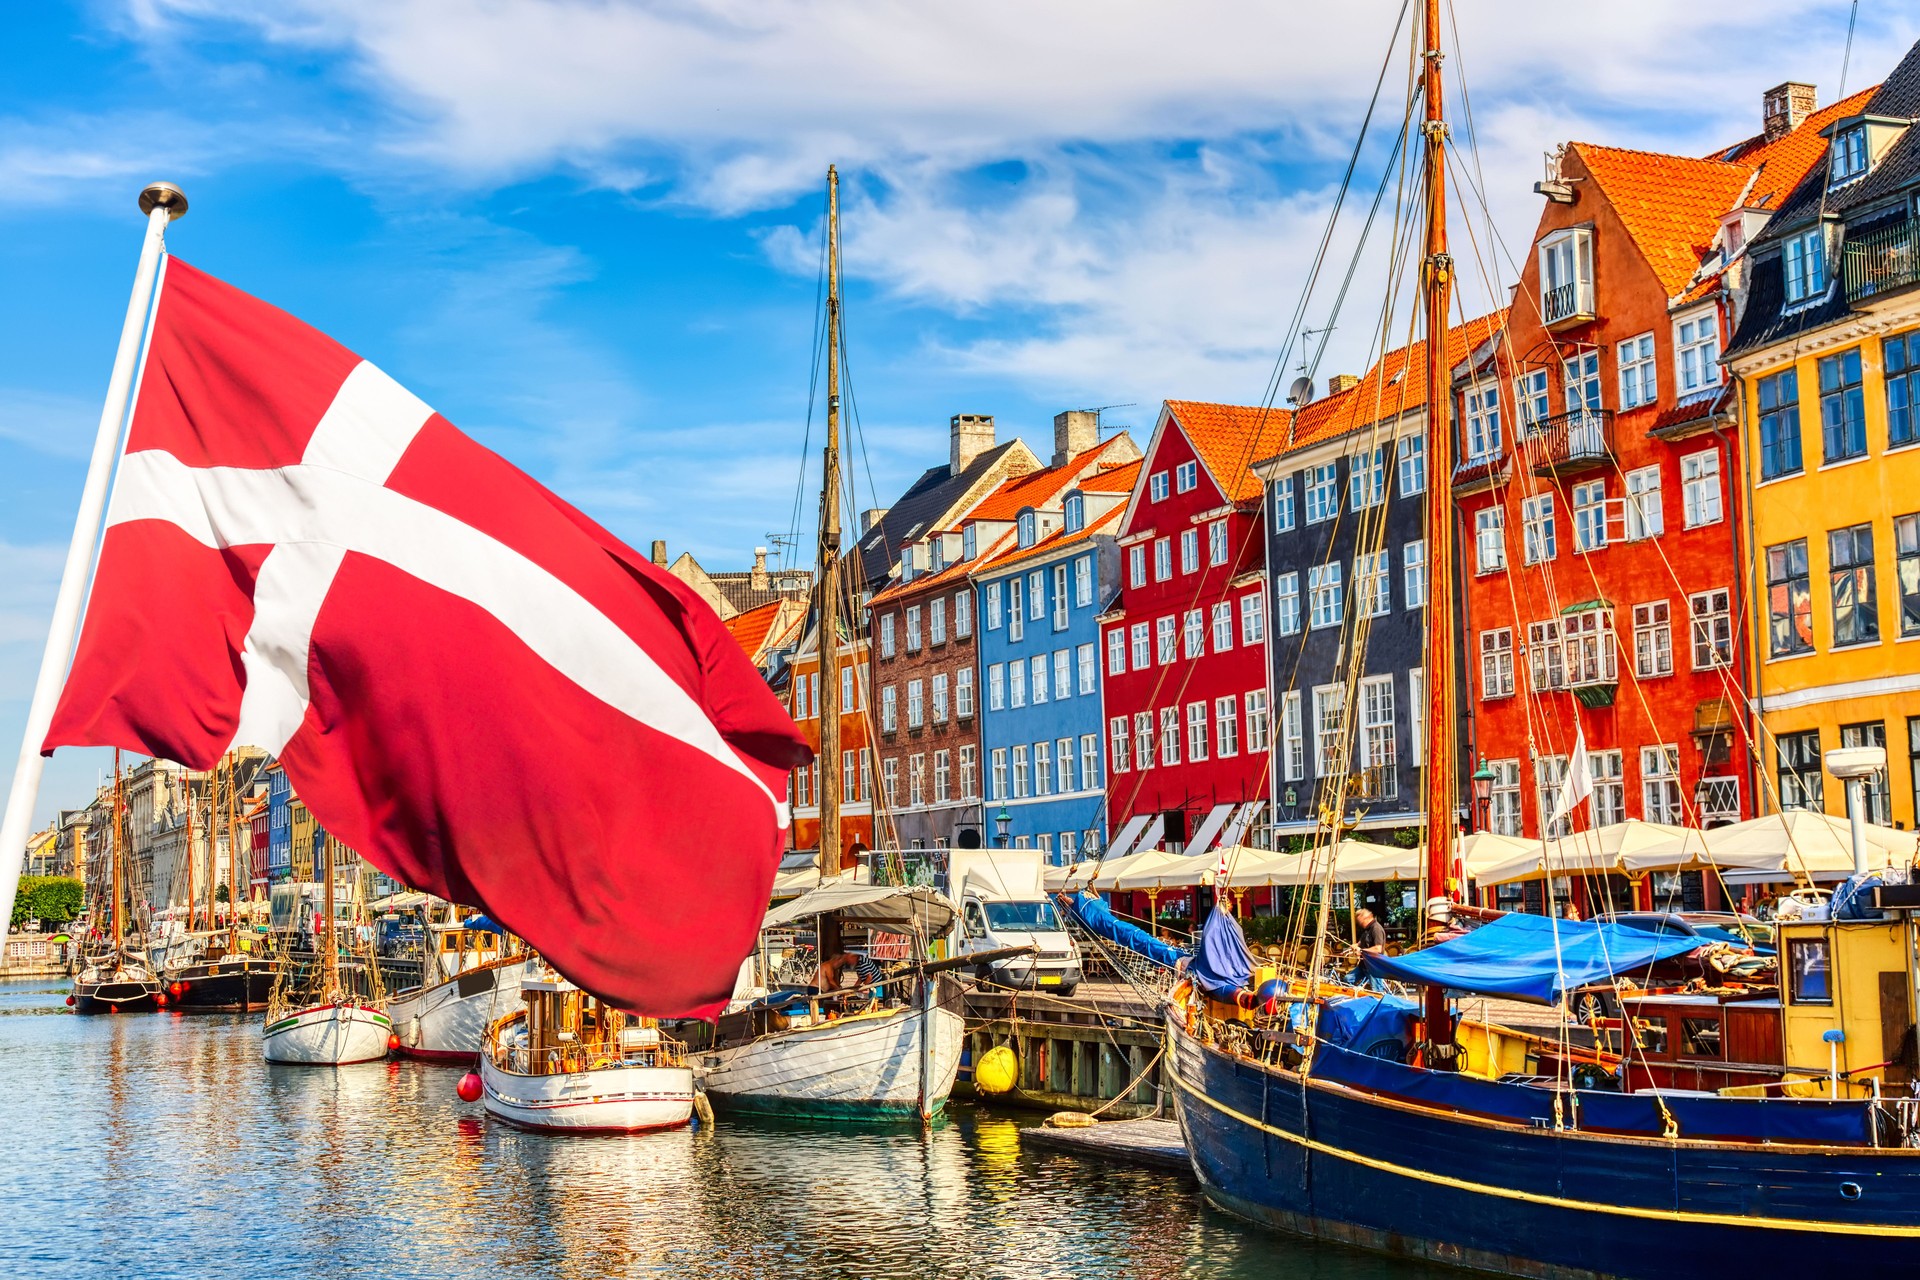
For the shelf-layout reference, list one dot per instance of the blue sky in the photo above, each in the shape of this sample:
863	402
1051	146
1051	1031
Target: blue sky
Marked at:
586	231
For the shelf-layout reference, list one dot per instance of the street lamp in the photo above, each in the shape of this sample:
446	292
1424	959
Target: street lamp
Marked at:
1001	821
1853	766
1483	780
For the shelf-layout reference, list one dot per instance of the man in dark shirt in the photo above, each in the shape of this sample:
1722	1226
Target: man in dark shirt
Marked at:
1373	935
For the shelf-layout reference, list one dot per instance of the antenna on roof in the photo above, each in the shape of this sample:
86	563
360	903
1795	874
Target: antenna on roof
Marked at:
1300	394
1307	336
1117	426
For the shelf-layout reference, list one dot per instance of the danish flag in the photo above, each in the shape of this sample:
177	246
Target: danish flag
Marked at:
467	681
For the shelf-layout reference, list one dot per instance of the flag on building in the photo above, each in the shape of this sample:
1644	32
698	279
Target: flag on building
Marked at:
1578	784
467	680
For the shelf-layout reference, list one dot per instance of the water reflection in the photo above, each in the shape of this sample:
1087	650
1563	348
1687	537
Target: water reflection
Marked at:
162	1146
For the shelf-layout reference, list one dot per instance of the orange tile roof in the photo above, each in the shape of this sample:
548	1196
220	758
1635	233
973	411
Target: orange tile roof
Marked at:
1230	438
1787	159
749	629
1055	540
1395	385
1114	479
1670	205
1035	489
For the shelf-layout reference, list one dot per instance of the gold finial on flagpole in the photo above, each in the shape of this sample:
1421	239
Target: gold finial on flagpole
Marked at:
164	195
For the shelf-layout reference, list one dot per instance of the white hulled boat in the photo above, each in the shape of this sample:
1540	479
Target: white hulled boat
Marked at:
567	1063
885	1049
470	976
331	1015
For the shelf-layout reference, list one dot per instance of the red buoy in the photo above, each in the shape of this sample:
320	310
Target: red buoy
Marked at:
393	1042
113	1008
69	1000
468	1088
178	988
160	998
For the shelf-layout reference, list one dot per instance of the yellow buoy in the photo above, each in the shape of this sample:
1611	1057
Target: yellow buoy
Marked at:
997	1070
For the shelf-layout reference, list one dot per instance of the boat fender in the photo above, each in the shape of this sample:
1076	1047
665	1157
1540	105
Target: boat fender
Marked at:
703	1109
997	1071
1071	1120
469	1087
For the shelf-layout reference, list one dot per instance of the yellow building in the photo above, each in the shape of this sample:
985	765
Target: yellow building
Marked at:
1827	363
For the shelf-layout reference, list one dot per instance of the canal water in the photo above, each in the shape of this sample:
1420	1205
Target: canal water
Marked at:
159	1145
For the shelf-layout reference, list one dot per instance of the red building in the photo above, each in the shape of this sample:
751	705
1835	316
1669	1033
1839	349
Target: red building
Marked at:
1600	489
1189	716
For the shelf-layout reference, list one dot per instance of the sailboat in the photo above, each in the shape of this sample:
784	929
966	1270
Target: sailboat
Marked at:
471	971
231	971
117	979
792	1044
331	1015
566	1062
1454	1156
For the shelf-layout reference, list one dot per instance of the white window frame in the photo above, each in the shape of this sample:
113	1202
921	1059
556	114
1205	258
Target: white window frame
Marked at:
1117	651
1162	559
1638	365
1194	634
1413	465
1286	589
1496	663
1701	497
1539	538
1119	739
1293	736
1589	517
1217	542
1413	573
1259	726
1329	726
997	687
1169	735
1283	504
1372	592
1653	639
1186	477
1157	487
886	635
1222	617
1660	797
1696	351
913	628
1142	639
1226	727
1189	551
1481	408
1166	638
1326	599
1710	629
1323	492
1197	713
1803	266
1087	668
1490	539
963	693
1643	511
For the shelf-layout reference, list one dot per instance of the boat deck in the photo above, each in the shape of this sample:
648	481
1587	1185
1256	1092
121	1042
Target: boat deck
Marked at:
1157	1144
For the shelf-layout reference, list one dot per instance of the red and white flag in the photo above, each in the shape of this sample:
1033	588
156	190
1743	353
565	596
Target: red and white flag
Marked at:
467	680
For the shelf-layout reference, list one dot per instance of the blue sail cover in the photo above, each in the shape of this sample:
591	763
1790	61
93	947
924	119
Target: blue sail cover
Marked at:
1099	919
1221	966
1515	956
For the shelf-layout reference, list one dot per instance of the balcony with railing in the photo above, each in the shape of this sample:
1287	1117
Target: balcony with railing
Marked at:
1565	306
1882	260
1578	440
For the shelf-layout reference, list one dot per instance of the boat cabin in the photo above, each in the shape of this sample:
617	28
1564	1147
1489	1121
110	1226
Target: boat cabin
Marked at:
1848	989
569	1031
1702	1041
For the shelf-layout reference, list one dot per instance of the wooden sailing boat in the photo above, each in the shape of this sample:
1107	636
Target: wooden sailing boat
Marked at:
117	978
333	1016
568	1063
232	972
471	971
1455	1156
887	1049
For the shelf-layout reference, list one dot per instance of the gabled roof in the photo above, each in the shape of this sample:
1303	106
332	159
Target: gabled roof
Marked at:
1395	385
1040	489
1058	540
1230	438
928	499
1119	478
1783	162
1670	205
766	625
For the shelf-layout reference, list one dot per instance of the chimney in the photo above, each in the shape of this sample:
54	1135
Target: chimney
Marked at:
1075	431
1785	106
972	436
1341	382
660	552
871	517
759	579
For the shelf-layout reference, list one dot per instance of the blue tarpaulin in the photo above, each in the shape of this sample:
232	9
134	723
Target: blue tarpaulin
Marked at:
1221	966
1100	919
1515	956
1358	1021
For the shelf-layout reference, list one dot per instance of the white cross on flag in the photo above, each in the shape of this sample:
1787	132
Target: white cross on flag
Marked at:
467	681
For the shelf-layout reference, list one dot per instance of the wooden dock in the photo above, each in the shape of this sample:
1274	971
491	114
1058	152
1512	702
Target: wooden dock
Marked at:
1157	1144
1075	1054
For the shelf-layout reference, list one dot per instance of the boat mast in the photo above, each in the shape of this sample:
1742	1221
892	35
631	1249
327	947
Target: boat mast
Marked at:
117	852
330	966
186	777
213	842
1442	787
830	784
233	855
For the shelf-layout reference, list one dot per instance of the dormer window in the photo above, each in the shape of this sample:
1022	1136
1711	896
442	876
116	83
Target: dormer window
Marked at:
937	554
1566	277
969	543
1803	265
1848	158
1076	512
1026	528
906	563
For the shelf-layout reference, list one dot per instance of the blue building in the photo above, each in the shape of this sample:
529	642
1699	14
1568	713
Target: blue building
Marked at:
1040	725
279	825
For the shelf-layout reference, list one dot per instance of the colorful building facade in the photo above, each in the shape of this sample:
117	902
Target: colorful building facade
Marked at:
1183	649
1826	358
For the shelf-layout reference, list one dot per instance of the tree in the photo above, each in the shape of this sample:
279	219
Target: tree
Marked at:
53	900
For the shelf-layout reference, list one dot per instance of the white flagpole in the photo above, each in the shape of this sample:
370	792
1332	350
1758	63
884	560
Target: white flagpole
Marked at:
161	202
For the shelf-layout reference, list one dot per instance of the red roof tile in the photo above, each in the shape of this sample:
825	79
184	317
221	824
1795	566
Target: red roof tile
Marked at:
1395	385
1670	205
1055	540
1787	159
749	630
1230	438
